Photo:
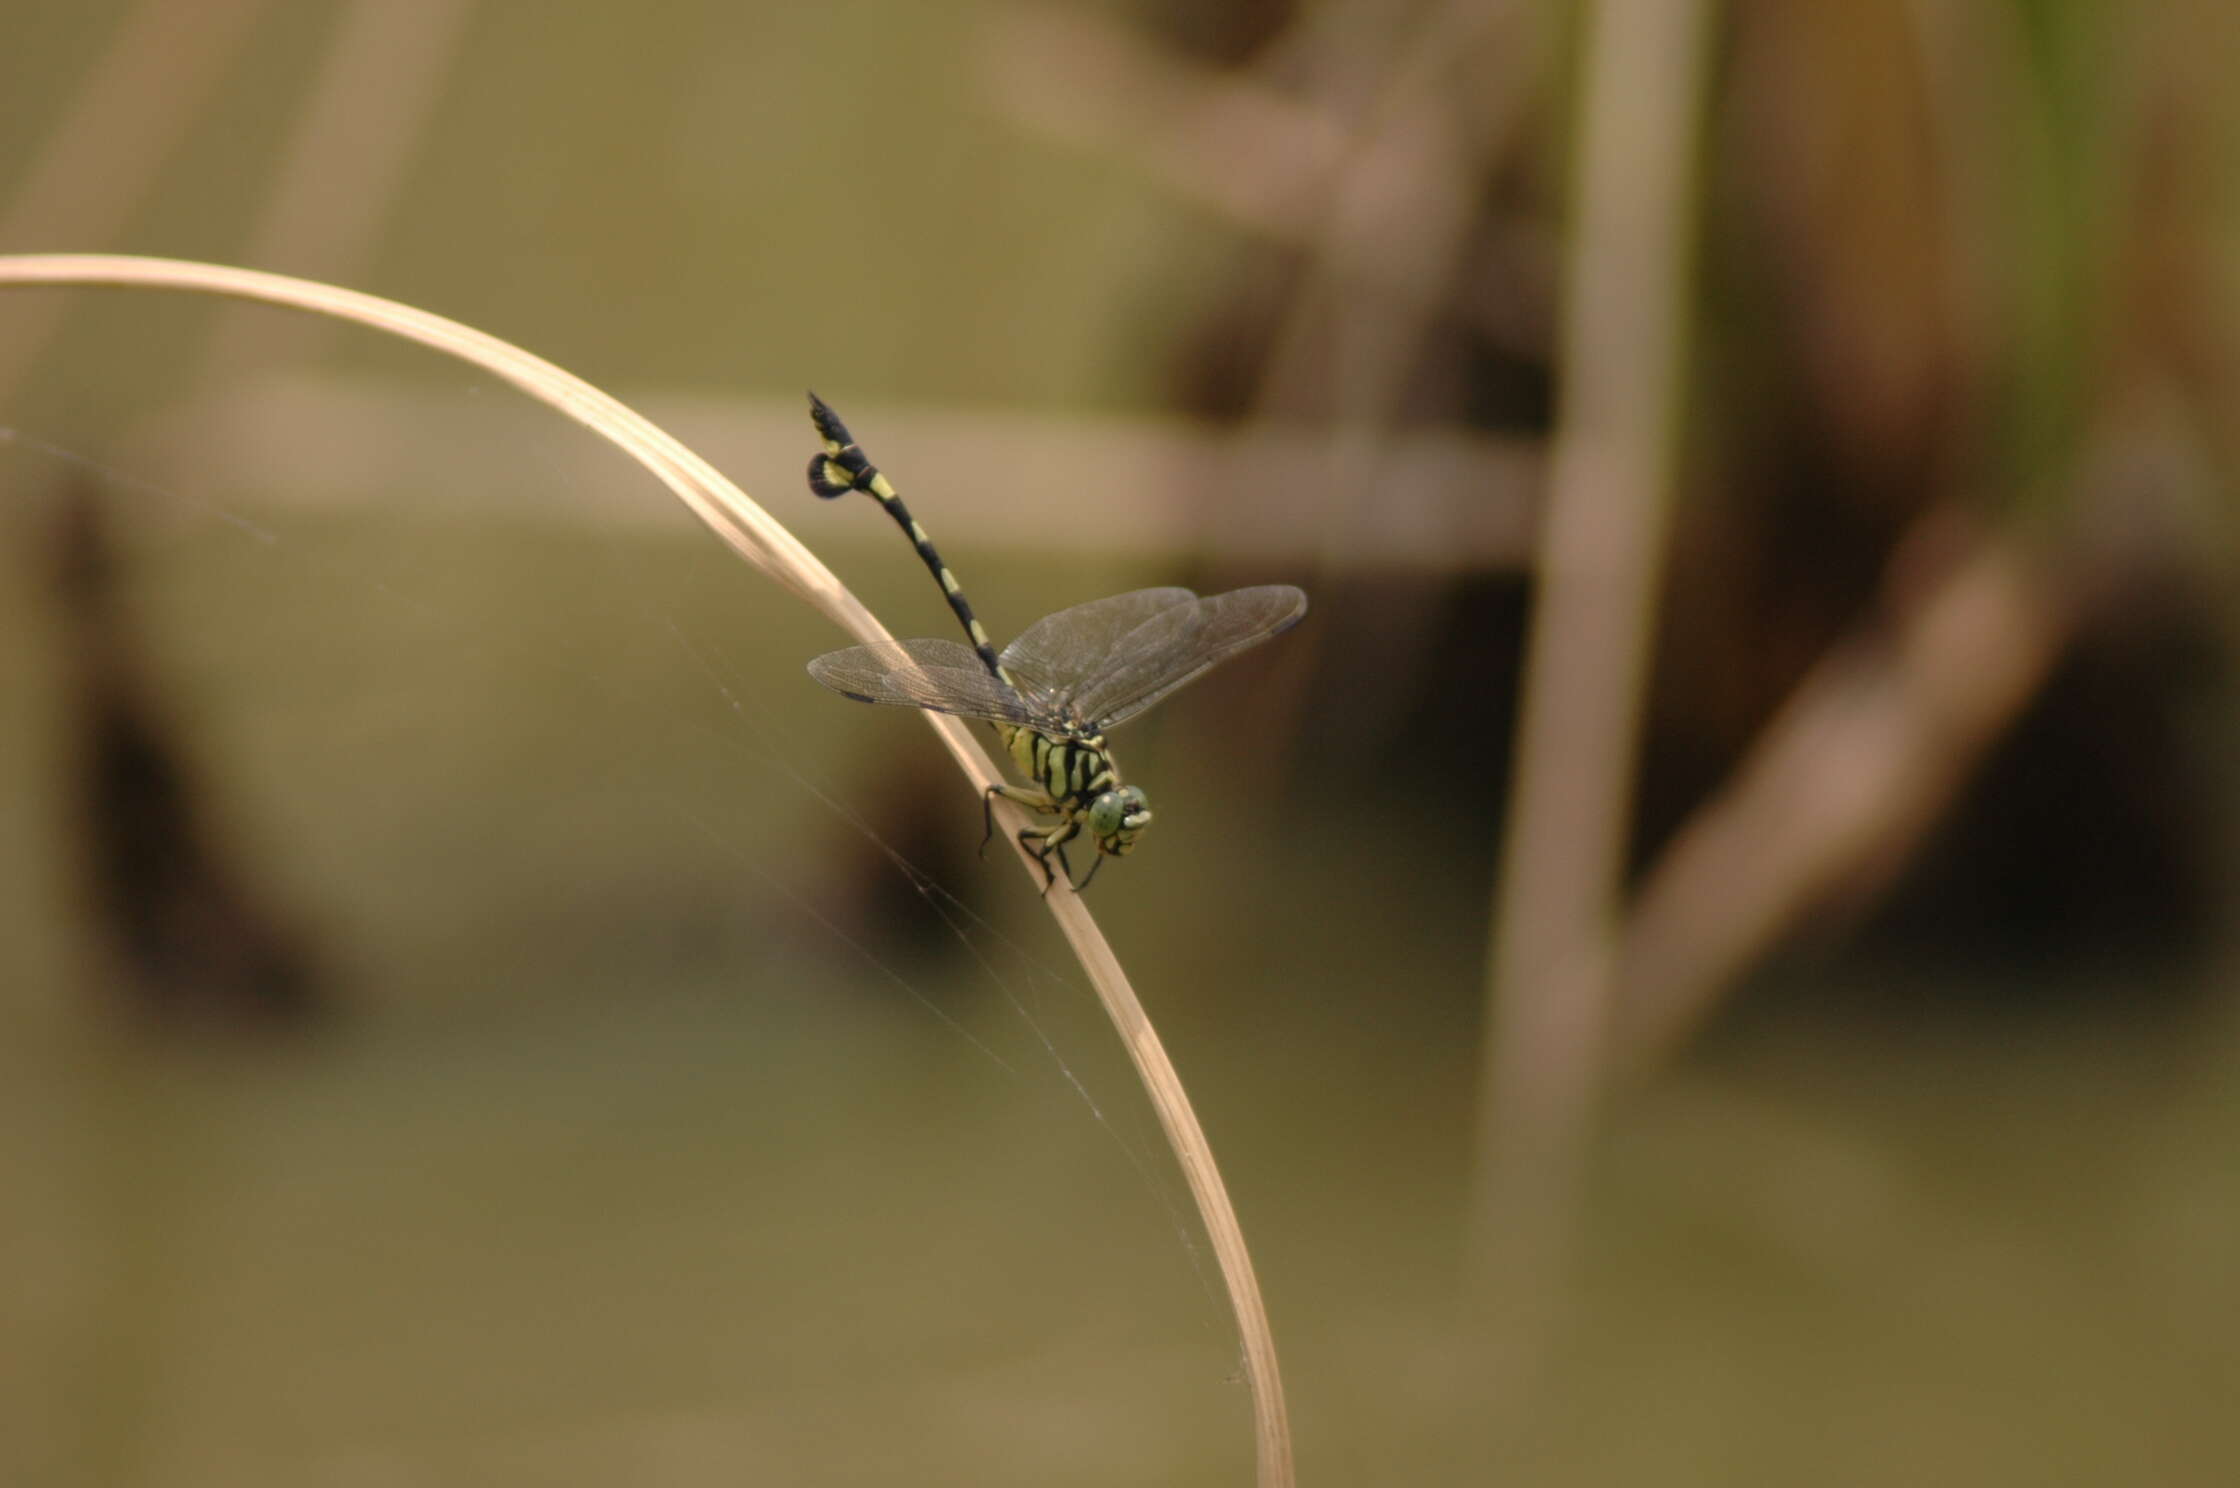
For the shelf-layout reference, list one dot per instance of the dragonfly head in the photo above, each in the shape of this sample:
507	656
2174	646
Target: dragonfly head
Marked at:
1117	817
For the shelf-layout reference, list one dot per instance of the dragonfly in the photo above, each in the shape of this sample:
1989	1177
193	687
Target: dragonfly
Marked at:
1054	692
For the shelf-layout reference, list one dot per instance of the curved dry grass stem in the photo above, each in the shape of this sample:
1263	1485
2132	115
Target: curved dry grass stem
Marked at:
762	541
1551	978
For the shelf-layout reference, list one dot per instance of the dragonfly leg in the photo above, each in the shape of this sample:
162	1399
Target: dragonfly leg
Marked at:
1047	843
1091	876
1033	800
1034	841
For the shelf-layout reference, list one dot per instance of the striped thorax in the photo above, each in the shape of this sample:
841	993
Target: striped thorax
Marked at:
1077	774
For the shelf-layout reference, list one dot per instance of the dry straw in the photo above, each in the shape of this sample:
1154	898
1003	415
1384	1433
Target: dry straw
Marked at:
762	541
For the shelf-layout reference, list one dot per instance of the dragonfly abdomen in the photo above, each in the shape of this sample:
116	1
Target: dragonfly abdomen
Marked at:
843	467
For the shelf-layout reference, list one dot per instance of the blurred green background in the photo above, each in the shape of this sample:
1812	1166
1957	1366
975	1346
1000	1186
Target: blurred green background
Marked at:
473	1010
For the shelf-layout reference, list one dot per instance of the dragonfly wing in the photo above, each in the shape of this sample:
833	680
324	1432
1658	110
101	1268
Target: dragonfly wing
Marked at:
1052	657
942	675
1178	644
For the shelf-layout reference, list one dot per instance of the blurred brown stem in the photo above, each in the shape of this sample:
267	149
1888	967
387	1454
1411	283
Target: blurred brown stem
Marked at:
1271	162
100	161
365	111
1553	971
1859	763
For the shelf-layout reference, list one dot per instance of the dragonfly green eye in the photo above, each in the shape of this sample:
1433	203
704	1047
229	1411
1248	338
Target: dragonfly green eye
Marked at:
1117	816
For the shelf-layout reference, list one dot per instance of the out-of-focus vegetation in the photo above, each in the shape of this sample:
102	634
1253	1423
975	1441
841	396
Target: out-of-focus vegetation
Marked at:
466	1014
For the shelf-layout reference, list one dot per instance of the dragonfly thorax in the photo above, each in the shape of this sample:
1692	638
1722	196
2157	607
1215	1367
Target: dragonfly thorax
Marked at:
1077	774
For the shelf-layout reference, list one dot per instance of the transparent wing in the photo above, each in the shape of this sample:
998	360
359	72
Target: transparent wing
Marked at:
945	676
1107	661
1055	655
